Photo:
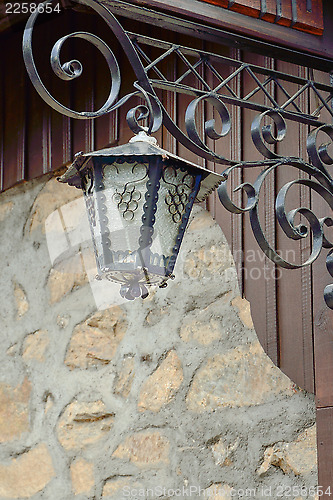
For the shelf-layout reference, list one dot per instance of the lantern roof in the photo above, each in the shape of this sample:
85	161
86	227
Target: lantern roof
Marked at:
140	145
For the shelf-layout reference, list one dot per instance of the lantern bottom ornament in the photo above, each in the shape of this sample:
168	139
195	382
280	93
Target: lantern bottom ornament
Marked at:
138	198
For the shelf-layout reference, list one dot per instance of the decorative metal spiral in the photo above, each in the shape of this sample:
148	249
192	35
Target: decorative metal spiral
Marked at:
150	116
71	69
286	219
263	134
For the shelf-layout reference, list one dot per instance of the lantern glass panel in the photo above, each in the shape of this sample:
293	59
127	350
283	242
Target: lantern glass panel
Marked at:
176	185
137	235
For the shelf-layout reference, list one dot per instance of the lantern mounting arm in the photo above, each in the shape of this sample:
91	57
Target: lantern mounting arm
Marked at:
210	88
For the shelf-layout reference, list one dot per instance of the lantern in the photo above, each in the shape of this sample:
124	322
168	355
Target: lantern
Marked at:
139	199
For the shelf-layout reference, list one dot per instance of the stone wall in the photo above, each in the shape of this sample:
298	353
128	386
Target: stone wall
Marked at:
105	399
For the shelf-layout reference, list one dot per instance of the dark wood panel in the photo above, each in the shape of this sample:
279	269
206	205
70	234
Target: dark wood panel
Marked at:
38	114
83	92
259	273
231	147
14	116
294	286
2	114
325	450
61	140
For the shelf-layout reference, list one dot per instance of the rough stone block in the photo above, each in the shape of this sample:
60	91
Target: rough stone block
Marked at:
298	457
14	410
113	487
82	475
63	281
243	376
160	388
219	491
35	346
124	379
95	340
22	304
83	424
223	453
5	209
53	195
244	311
208	262
26	475
144	449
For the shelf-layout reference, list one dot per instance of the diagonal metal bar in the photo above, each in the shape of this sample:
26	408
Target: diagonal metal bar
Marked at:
229	78
160	58
286	93
219	77
257	89
192	69
151	64
267	94
294	97
329	109
184	89
230	62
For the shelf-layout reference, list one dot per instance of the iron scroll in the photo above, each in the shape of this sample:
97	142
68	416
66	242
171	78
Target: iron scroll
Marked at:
268	129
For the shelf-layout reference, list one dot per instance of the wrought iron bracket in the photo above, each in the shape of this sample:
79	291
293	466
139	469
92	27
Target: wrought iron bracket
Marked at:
268	129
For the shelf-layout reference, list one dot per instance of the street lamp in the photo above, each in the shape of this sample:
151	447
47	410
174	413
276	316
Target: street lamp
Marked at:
139	199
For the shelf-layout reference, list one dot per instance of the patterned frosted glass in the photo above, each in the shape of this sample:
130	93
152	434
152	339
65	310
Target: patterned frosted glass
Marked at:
175	189
125	186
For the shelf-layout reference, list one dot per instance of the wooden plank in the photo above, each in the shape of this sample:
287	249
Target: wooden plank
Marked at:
61	141
106	126
14	117
38	113
325	450
284	12
268	11
222	146
246	7
83	88
323	316
272	334
312	20
258	283
295	323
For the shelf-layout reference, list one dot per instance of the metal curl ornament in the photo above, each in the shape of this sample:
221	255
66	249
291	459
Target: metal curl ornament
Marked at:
287	220
69	70
264	133
151	111
328	291
210	130
246	187
319	155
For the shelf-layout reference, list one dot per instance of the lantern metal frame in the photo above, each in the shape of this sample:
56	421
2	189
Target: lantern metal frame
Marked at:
314	171
139	267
